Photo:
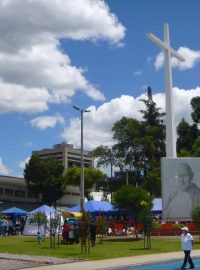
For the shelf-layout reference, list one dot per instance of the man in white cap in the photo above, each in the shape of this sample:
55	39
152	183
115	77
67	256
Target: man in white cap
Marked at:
187	243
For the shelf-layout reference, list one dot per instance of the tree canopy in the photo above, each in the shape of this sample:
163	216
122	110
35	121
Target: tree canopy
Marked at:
134	199
91	177
195	103
138	149
45	177
141	144
196	216
105	157
188	133
136	156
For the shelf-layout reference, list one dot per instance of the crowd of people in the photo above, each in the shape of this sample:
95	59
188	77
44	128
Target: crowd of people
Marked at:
11	226
71	232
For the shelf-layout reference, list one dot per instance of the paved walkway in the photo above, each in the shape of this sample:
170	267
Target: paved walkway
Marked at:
20	261
114	263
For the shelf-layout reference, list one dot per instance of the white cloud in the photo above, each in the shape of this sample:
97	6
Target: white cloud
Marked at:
44	122
144	87
138	72
34	68
31	56
159	62
16	98
3	168
99	122
23	163
29	144
182	100
46	20
191	59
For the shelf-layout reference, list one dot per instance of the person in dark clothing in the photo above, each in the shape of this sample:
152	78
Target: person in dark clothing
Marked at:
93	228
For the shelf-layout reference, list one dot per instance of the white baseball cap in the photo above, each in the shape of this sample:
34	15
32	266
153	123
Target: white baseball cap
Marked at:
185	229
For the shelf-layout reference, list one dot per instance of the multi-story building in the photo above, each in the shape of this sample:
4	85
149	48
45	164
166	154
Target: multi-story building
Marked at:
14	192
67	155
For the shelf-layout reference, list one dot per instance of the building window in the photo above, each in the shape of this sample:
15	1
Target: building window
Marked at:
67	193
32	195
1	191
9	192
20	193
75	194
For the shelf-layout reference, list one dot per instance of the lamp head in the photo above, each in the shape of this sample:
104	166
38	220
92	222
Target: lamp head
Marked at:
76	108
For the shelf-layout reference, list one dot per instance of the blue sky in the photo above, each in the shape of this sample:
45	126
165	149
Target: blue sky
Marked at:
95	54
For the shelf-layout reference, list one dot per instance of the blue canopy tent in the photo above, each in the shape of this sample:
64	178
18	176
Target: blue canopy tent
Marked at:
94	207
14	211
14	214
44	209
157	206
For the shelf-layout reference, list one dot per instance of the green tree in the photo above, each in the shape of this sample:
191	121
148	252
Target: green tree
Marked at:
187	134
105	157
102	185
196	148
41	220
154	128
153	182
133	199
141	144
154	137
109	185
151	115
195	103
128	149
91	176
196	216
55	227
146	218
139	147
45	177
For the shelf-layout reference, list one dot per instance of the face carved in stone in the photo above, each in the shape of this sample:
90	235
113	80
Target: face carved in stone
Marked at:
184	176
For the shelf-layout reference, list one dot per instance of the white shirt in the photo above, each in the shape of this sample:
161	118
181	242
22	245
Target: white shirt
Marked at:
186	241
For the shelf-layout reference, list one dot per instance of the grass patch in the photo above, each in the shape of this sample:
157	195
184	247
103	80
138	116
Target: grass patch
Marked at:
111	248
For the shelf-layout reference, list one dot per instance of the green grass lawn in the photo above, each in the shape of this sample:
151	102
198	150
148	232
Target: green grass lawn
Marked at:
111	248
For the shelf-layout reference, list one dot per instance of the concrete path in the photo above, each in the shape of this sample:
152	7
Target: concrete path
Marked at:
10	261
114	263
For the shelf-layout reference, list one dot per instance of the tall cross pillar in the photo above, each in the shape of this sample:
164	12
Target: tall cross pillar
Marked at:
170	122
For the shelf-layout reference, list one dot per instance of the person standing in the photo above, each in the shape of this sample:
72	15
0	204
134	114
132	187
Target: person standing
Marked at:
187	243
5	226
93	228
65	232
39	238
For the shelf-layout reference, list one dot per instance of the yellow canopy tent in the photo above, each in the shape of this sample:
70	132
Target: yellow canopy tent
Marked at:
71	214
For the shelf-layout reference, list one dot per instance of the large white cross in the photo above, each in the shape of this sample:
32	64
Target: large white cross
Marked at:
170	123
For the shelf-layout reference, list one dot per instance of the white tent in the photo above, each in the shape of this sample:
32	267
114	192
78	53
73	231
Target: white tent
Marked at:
31	228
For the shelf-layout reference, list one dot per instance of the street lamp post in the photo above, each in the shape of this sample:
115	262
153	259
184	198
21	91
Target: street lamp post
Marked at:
82	161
